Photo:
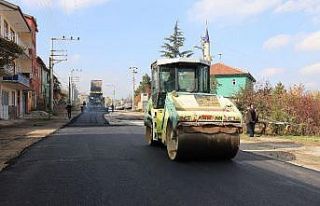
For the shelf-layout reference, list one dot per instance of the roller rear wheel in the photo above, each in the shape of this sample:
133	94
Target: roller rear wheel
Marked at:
148	136
172	142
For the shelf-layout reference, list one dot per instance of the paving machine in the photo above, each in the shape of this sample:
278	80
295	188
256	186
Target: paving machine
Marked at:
185	117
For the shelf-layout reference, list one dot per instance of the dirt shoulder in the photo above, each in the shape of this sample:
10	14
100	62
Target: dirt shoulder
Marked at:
16	136
122	117
298	150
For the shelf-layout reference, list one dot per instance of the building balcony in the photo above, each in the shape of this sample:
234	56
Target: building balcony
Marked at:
17	40
23	65
19	80
24	46
6	71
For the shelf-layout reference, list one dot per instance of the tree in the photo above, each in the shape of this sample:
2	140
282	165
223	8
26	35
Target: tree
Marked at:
144	86
262	99
244	98
279	89
9	51
297	109
278	105
174	43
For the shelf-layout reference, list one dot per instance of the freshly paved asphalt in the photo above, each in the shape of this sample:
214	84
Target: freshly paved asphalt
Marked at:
84	164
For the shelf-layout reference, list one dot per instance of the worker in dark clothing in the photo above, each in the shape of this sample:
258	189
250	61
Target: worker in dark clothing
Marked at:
84	104
69	109
251	120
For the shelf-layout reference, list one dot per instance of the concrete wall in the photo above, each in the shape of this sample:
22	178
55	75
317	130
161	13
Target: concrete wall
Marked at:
229	86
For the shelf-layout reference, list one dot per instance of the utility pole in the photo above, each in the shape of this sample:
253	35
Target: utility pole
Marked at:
114	93
134	71
54	60
69	91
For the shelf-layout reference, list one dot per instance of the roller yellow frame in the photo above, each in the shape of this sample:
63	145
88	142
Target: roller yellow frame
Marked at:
184	116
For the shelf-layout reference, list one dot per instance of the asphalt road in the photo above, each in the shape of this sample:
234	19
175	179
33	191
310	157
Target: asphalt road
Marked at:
93	163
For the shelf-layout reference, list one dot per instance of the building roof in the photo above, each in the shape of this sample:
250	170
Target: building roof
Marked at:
165	61
32	18
220	69
42	64
13	12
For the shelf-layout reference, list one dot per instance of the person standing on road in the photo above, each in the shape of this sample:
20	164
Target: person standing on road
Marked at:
69	109
251	120
84	104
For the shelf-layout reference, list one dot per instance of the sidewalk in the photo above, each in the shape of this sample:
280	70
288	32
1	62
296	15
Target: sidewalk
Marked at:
17	135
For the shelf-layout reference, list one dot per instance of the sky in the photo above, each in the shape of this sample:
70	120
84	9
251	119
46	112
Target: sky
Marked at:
275	40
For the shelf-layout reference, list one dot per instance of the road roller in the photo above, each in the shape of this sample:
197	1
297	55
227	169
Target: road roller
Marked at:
184	116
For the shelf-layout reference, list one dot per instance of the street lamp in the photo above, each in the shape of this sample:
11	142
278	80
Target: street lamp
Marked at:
134	71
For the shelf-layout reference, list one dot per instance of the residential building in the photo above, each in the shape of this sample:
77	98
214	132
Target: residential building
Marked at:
44	97
230	80
15	75
35	75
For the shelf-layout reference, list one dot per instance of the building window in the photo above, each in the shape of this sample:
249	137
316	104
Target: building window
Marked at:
6	29
5	98
234	82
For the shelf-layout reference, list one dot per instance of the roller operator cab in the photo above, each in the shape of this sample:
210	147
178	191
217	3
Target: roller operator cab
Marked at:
184	116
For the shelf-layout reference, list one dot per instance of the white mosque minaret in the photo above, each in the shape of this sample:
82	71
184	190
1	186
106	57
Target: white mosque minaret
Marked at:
206	45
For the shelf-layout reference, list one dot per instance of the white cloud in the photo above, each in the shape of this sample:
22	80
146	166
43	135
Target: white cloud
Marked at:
71	5
66	5
239	10
307	6
313	69
216	10
301	42
277	42
310	42
269	72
